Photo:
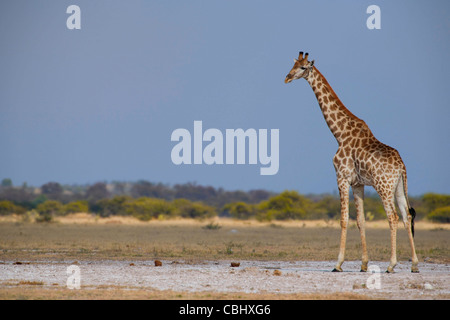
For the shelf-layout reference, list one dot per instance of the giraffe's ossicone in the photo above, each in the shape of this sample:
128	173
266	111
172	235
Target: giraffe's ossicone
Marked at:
361	160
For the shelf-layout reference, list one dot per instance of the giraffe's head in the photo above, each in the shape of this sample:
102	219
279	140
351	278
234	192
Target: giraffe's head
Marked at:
301	69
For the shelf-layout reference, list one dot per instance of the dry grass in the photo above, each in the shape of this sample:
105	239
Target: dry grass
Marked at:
89	219
83	237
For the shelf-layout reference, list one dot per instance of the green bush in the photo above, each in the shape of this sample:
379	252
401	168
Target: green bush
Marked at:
50	207
44	218
148	208
440	215
76	207
114	206
38	200
326	208
7	207
433	201
286	205
188	209
240	210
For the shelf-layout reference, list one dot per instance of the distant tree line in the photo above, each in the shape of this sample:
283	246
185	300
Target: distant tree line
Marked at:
146	200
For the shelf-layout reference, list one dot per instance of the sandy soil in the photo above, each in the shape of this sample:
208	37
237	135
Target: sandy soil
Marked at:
258	277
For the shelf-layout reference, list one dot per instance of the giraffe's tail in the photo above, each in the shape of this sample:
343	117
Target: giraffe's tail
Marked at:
411	210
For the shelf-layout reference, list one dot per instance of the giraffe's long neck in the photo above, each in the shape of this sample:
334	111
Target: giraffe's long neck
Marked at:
339	119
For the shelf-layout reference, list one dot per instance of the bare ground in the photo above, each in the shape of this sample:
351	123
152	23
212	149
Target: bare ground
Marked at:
217	279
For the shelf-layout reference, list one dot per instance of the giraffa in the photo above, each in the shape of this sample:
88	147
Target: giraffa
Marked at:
360	160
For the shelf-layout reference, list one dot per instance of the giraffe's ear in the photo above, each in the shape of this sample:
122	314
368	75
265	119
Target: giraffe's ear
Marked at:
295	60
311	63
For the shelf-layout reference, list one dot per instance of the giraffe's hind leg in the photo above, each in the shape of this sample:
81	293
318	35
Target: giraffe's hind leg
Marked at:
389	207
358	194
407	221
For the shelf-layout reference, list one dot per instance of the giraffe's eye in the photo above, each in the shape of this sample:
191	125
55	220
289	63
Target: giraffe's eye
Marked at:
303	68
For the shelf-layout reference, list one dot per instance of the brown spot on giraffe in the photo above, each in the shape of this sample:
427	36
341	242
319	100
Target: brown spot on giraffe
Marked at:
333	116
361	160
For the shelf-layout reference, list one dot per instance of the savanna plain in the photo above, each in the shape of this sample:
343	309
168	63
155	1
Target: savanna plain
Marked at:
271	260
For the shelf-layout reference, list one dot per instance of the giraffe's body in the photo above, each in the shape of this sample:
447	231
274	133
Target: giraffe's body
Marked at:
360	160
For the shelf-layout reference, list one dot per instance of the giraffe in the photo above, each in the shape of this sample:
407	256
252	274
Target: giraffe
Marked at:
360	160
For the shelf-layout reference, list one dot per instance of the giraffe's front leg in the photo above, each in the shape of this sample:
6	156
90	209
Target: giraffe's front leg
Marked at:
358	194
343	192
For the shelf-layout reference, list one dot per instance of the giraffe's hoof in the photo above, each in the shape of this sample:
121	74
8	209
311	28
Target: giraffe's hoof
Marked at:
364	267
390	270
337	269
414	269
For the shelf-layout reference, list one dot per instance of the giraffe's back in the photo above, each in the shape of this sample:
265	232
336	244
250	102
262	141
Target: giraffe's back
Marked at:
368	161
377	164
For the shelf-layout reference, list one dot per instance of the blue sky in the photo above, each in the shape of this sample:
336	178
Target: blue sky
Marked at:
100	103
